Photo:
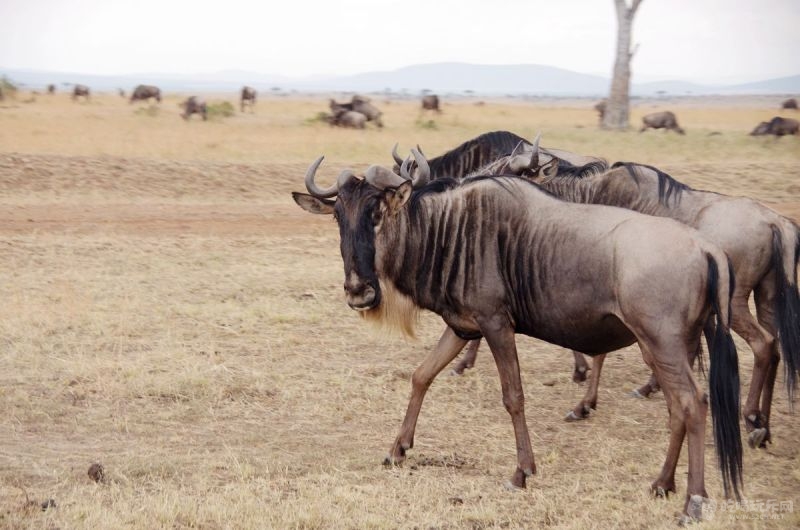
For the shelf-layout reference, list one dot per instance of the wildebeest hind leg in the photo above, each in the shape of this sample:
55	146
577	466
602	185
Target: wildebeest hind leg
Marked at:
448	347
589	401
765	303
468	361
581	367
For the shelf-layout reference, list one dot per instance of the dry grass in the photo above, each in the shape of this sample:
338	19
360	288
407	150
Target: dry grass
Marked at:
169	312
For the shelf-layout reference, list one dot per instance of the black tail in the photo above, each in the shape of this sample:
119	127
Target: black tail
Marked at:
787	307
723	385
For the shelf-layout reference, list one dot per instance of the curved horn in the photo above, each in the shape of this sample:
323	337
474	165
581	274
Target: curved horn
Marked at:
423	169
405	168
383	178
535	149
396	155
315	190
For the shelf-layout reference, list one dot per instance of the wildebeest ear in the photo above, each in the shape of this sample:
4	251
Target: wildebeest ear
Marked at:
549	170
313	204
397	197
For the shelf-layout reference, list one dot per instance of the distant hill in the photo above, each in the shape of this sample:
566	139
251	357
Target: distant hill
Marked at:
445	78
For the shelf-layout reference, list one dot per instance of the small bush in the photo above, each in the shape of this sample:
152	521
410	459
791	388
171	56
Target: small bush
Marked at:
149	111
426	124
7	87
320	117
224	109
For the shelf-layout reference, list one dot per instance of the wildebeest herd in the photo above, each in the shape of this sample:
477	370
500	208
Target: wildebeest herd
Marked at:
500	236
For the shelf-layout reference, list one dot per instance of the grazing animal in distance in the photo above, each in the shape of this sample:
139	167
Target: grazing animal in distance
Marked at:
790	103
762	245
600	107
80	91
146	93
121	92
193	105
51	89
248	98
497	276
777	126
661	120
359	104
349	119
431	102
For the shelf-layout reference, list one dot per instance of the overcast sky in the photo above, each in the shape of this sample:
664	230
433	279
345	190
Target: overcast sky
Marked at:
696	40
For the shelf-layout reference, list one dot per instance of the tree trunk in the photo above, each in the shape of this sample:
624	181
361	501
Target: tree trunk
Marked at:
616	113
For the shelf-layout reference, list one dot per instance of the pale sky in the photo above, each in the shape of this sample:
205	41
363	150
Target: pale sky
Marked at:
695	40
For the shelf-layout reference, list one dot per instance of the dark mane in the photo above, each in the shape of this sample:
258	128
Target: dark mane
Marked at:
568	170
667	186
474	154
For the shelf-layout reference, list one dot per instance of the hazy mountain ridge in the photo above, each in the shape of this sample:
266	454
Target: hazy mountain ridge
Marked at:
453	78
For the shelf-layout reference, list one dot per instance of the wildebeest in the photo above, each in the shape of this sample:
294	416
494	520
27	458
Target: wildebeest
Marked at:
516	262
80	91
777	126
762	245
248	97
145	93
348	119
51	89
600	107
359	104
431	102
661	120
790	103
121	93
193	105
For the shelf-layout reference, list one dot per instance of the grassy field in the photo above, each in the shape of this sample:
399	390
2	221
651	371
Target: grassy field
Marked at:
169	312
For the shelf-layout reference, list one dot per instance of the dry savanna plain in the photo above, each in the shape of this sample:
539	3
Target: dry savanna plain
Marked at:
168	312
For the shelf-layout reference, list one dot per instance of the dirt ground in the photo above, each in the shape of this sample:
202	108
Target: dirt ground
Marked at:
179	320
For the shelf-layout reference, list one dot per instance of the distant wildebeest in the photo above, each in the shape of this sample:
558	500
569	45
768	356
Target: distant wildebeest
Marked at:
121	93
194	106
359	104
777	126
145	93
762	245
790	103
661	120
600	107
495	256
348	119
431	102
51	89
248	97
80	91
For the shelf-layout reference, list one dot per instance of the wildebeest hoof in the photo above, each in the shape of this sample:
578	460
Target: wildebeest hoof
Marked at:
756	437
694	511
391	461
511	487
584	413
637	394
579	375
455	372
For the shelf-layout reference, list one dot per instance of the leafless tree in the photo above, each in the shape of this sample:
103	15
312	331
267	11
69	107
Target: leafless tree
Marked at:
616	115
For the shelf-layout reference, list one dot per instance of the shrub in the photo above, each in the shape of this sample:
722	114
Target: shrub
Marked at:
220	110
426	124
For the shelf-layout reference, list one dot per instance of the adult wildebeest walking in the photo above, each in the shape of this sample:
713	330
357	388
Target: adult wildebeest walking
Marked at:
661	120
790	103
51	89
777	126
763	246
248	97
359	104
515	262
431	102
194	106
145	93
80	91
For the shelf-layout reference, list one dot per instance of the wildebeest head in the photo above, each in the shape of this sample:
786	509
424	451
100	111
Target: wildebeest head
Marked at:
761	128
361	206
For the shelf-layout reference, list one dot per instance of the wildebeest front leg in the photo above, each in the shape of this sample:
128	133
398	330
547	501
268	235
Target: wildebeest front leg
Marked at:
500	336
589	401
468	361
446	350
